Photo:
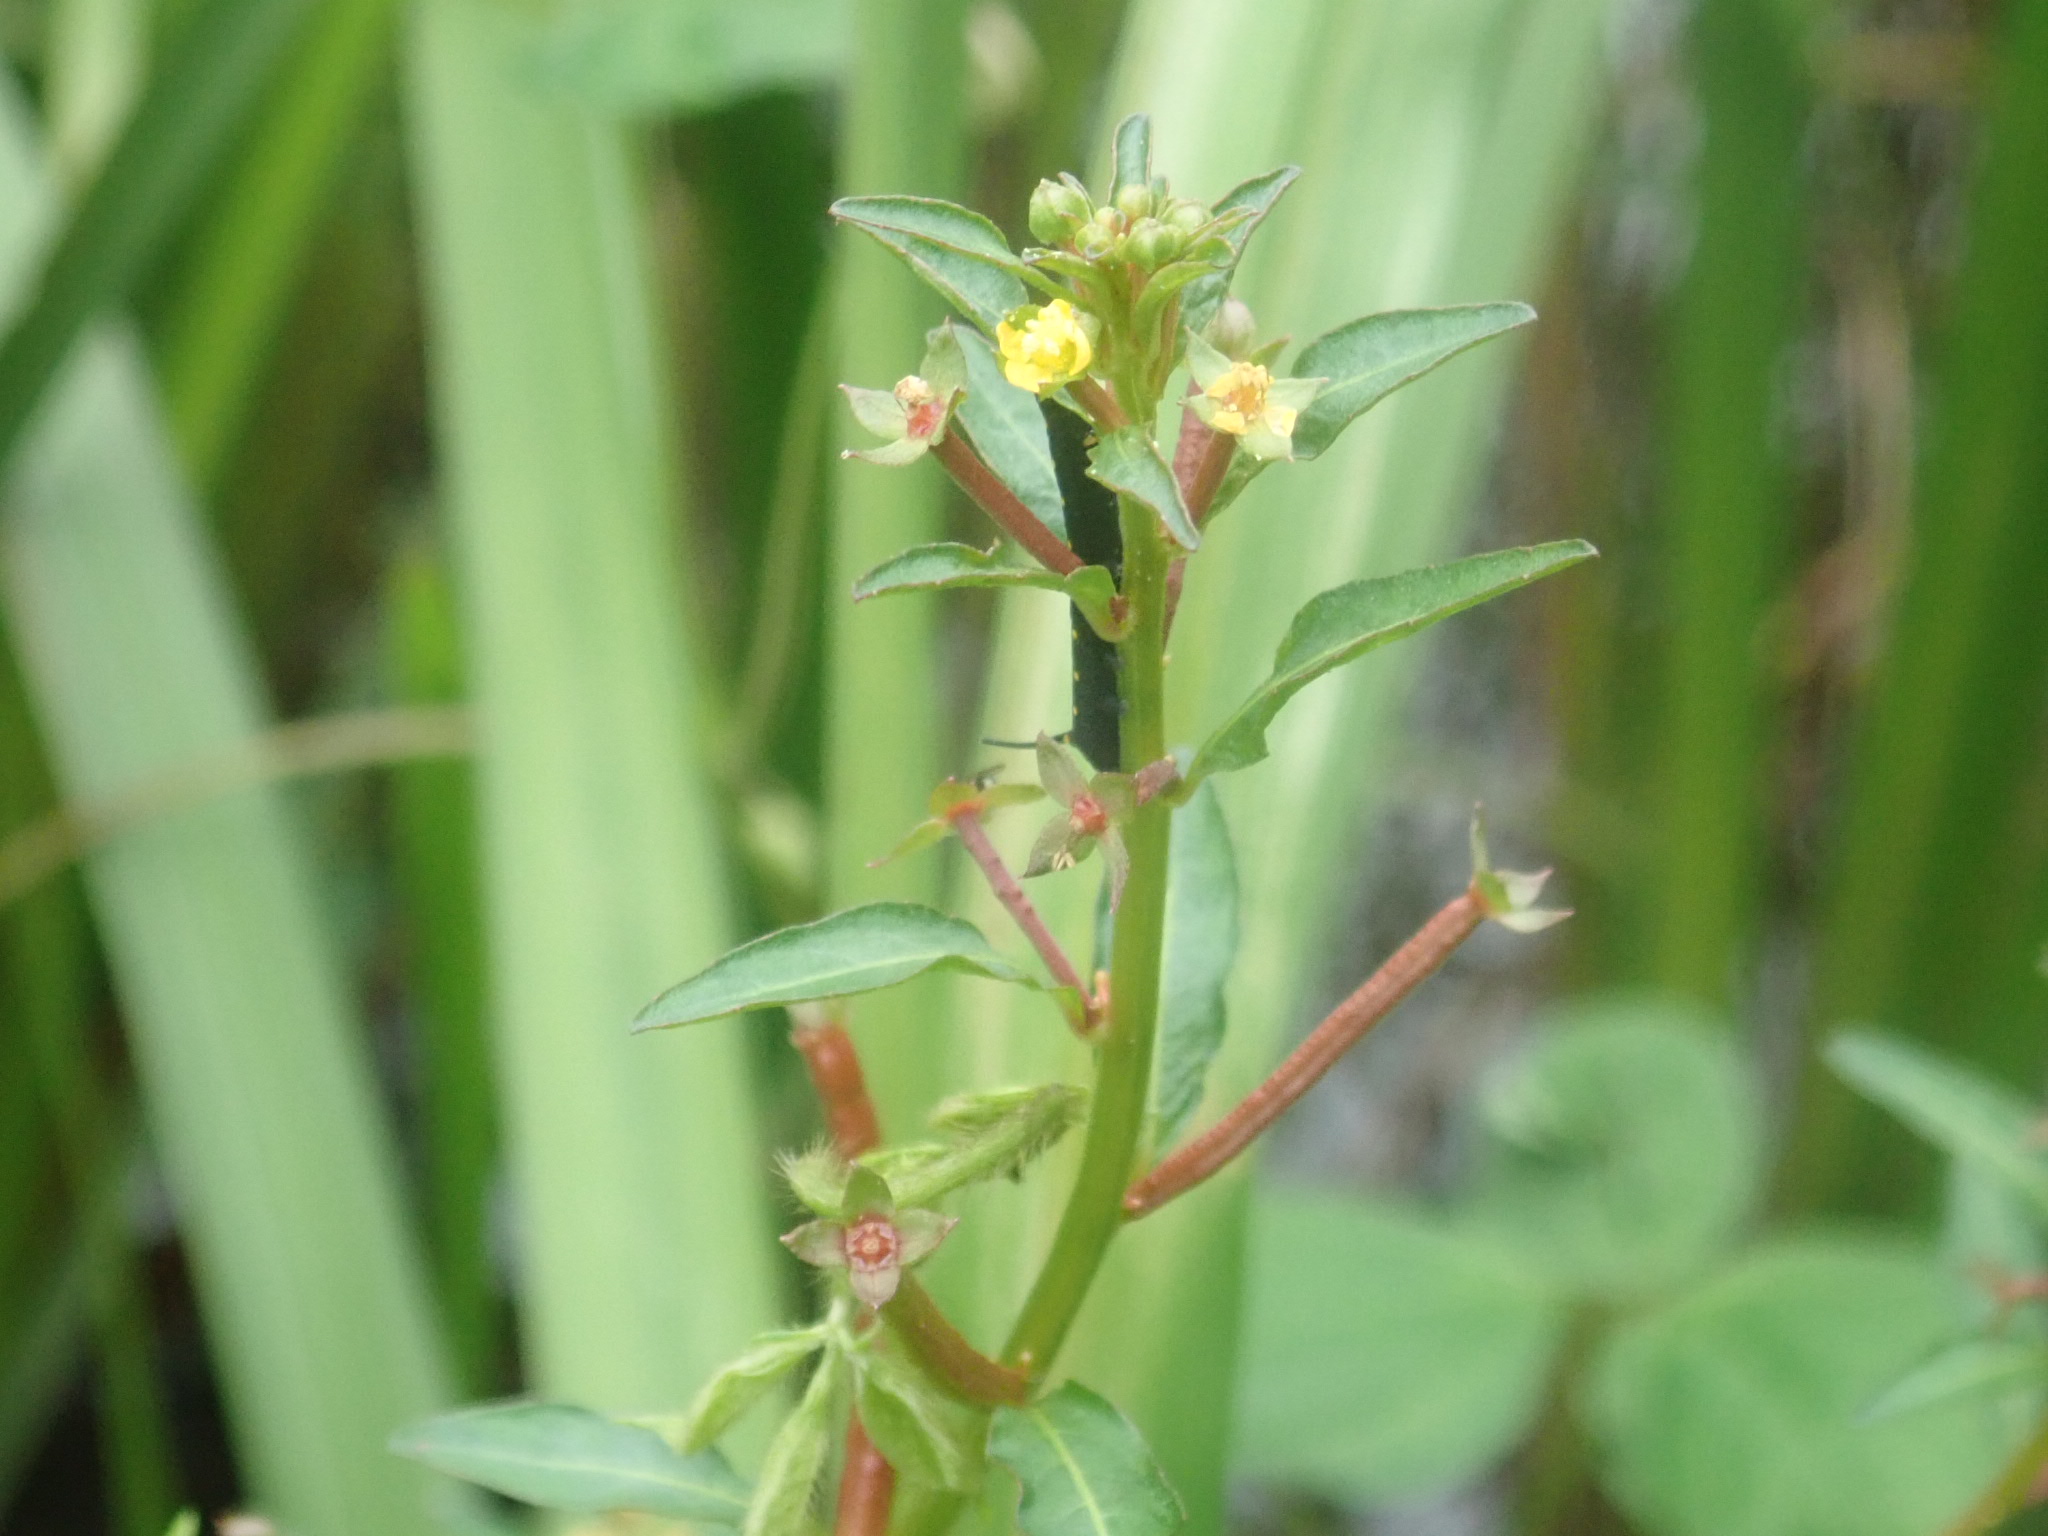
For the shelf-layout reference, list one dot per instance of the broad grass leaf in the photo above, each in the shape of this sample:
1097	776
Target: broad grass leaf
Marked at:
1344	623
571	1459
858	950
1387	1355
1739	1410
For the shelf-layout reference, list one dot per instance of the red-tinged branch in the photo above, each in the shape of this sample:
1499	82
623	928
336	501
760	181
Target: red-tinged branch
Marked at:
842	1088
974	838
1406	969
1099	403
1200	460
944	1351
867	1487
988	492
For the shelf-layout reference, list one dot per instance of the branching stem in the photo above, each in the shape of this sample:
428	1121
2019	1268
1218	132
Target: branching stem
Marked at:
1116	1118
988	492
944	1351
974	838
1347	1024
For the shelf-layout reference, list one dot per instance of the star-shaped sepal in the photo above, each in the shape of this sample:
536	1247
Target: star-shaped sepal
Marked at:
875	1245
1508	895
1092	811
912	417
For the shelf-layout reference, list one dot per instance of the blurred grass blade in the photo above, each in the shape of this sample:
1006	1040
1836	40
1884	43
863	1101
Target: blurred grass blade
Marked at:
95	55
901	134
259	1094
196	102
434	857
1729	517
238	277
636	1162
1936	874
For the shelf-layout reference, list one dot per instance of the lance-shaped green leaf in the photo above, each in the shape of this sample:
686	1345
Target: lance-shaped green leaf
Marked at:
1985	1366
744	1382
797	1454
571	1459
1008	431
1201	945
958	252
1084	1469
1369	359
918	1427
1344	623
933	567
986	1136
1128	461
859	950
1132	153
1198	305
1964	1113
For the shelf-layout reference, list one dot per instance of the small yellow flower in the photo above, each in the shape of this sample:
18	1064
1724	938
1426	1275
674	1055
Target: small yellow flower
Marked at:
1046	345
1246	401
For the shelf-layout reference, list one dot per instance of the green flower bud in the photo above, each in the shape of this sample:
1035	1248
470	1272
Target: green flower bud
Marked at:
1234	332
1099	236
1135	203
1152	244
1215	250
1187	217
1057	211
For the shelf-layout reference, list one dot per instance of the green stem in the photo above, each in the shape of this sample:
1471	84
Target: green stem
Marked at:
1116	1120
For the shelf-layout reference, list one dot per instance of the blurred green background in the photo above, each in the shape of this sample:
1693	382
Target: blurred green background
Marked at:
423	553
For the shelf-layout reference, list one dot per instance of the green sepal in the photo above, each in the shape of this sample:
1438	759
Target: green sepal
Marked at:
957	251
1509	895
945	365
1128	461
817	1177
1161	287
722	1400
919	1427
797	1455
925	834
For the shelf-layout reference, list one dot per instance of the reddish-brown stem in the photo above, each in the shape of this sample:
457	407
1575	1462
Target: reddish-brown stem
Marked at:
1200	460
842	1088
1099	403
944	1351
988	492
974	838
1406	969
867	1487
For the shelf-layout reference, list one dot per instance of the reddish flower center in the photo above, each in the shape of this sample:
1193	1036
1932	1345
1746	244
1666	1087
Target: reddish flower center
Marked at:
871	1243
924	420
1088	815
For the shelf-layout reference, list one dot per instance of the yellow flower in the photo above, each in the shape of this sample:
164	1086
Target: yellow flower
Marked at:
1046	345
1246	401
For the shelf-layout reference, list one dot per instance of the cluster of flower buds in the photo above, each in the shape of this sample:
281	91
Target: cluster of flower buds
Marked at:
1146	226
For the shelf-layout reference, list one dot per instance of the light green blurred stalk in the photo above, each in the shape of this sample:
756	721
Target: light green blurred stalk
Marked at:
1930	899
97	53
233	288
1441	144
437	878
258	1092
642	1224
902	132
1727	524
